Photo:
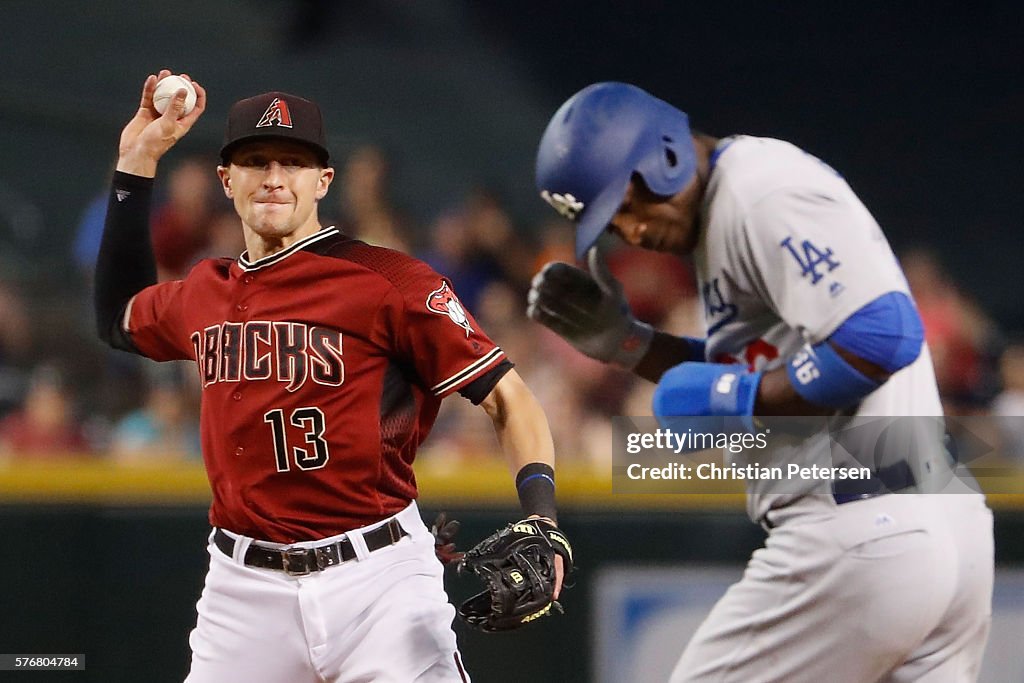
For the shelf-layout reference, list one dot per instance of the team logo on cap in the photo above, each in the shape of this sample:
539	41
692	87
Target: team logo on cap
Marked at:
565	204
277	114
444	302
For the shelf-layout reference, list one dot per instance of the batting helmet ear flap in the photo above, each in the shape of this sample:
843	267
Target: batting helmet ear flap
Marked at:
671	160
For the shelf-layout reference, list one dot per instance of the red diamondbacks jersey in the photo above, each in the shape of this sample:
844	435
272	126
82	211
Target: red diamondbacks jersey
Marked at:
323	367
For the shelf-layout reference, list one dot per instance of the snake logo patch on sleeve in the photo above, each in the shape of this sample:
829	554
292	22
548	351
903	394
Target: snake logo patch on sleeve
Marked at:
444	302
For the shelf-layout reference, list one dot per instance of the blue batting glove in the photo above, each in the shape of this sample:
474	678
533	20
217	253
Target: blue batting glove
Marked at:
707	389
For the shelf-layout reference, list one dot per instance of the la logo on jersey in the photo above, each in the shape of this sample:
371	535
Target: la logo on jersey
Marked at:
277	114
812	258
444	302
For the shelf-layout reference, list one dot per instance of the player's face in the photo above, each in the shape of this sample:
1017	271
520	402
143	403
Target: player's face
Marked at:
656	223
275	186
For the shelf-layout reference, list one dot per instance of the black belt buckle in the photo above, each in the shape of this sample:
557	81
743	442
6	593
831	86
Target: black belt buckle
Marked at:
295	562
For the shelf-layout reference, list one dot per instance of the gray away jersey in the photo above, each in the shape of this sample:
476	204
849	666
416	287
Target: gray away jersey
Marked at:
787	253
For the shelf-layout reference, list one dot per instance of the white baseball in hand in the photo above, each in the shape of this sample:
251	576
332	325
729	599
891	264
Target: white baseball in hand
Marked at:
166	89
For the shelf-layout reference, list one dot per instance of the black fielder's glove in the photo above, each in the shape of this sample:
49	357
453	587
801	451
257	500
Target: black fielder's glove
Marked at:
517	565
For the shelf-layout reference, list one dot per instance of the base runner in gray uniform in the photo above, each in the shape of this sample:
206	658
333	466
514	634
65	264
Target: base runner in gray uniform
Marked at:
807	313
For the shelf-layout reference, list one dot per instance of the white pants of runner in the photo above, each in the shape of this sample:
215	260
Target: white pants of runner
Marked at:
896	588
383	617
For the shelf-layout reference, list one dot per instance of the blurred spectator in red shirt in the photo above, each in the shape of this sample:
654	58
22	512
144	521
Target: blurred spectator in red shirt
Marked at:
180	225
959	335
654	283
45	426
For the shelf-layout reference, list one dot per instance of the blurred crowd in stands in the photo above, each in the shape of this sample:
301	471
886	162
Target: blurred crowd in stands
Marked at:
62	393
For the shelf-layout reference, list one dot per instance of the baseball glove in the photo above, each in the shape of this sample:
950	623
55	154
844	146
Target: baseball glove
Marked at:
517	565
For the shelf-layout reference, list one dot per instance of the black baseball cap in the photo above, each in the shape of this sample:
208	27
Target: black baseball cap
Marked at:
275	115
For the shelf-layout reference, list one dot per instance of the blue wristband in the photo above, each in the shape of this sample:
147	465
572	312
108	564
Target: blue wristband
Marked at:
822	377
707	389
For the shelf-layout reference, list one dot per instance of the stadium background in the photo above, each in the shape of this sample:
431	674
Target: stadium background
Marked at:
434	111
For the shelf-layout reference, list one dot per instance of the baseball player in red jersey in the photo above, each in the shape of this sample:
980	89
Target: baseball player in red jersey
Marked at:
323	363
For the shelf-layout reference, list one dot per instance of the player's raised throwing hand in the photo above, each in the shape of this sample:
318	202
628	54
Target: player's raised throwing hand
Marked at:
149	135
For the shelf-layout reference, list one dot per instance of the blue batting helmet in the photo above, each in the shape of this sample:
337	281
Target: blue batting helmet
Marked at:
597	140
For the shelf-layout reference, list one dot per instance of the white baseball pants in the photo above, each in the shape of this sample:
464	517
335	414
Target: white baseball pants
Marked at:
383	617
896	588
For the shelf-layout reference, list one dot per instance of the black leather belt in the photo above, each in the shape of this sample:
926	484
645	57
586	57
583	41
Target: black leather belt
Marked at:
843	498
896	477
302	561
884	480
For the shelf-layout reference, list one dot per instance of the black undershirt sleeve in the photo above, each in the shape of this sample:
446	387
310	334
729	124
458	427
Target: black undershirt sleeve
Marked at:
125	265
477	390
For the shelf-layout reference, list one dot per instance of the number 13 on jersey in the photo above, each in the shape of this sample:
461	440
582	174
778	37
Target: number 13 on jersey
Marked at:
311	421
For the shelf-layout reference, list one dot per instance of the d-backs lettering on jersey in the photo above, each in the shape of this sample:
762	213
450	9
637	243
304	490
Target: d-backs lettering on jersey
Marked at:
266	350
323	367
